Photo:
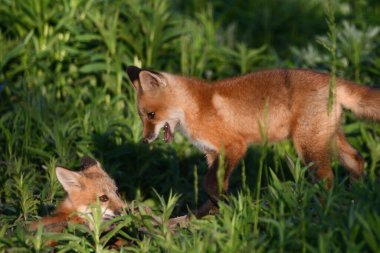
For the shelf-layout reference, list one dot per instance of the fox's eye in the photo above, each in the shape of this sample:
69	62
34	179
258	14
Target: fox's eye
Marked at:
103	198
150	115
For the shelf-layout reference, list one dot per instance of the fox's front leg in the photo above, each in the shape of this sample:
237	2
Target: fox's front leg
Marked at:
232	156
210	184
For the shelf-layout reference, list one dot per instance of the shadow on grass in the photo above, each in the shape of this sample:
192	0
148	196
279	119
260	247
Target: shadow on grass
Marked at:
139	168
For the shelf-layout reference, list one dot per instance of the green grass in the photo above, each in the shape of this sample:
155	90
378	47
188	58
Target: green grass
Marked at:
64	94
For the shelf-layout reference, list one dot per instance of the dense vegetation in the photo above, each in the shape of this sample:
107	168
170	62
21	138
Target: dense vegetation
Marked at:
64	94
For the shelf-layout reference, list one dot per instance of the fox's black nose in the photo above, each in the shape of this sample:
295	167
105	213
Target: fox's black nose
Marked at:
145	140
117	212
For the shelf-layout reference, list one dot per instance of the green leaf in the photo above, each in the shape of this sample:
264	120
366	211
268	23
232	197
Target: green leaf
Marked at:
93	67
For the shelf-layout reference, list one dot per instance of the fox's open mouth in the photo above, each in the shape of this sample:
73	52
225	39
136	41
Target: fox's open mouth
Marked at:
107	218
168	135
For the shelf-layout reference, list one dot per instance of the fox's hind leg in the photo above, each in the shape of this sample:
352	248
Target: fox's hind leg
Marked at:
316	147
349	157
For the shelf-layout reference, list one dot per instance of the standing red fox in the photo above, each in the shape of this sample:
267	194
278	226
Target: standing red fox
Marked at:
232	113
83	189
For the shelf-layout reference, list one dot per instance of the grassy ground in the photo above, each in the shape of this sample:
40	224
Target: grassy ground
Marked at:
64	94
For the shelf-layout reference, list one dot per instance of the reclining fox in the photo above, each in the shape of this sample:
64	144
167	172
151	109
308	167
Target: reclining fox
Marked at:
83	189
232	113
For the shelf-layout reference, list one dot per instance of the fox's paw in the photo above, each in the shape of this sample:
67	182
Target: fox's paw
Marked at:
208	208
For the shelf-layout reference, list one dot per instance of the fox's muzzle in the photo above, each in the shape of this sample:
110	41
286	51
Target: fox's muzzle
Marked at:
117	212
148	138
148	132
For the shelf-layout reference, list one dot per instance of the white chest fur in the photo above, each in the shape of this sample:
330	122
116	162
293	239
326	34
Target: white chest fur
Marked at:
203	145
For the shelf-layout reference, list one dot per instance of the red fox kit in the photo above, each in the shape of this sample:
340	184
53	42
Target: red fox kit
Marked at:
232	113
83	189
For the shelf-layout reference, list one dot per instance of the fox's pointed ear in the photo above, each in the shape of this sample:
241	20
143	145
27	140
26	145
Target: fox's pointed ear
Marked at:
87	162
70	180
151	81
133	74
90	165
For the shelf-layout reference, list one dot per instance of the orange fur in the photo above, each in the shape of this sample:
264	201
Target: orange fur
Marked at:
267	105
83	189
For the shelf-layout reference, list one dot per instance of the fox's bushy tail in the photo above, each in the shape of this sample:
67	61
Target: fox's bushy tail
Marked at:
361	100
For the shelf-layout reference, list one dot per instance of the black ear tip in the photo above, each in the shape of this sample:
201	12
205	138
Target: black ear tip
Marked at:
133	72
87	162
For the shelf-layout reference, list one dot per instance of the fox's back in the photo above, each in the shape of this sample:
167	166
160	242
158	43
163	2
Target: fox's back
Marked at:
275	84
273	99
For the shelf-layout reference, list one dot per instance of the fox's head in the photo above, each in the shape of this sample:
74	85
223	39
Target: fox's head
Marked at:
155	103
86	187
